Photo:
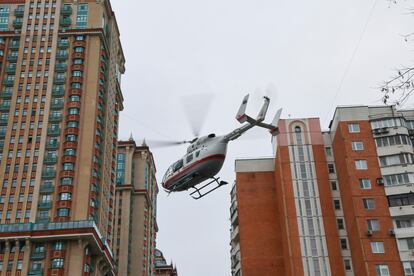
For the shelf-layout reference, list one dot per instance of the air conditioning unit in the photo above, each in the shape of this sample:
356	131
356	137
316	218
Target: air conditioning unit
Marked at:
392	233
369	233
380	181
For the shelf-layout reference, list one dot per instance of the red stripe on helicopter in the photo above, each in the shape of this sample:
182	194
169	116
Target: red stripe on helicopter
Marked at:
208	158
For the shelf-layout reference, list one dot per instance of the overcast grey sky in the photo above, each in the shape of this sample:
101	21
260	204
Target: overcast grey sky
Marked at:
230	48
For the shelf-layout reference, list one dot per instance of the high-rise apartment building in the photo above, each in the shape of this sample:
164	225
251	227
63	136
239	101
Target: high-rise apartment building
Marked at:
135	210
338	202
60	68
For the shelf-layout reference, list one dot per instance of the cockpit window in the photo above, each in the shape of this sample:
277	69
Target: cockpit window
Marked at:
189	158
178	165
197	153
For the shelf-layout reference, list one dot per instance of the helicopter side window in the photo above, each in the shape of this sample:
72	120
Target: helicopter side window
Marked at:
178	165
197	153
189	158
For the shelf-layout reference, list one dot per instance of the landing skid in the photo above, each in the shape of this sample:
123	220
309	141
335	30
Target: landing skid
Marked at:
197	194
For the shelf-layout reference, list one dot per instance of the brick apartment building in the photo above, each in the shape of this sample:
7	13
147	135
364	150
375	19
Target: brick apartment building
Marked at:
339	202
60	70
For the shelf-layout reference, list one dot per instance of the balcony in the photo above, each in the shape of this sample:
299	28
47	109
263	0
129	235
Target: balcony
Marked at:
65	22
6	94
50	160
36	272
55	118
11	69
12	58
53	131
17	23
61	55
14	45
235	235
4	121
19	12
37	255
58	92
61	67
63	44
66	10
45	205
3	134
60	80
4	106
52	145
48	173
47	189
56	105
8	82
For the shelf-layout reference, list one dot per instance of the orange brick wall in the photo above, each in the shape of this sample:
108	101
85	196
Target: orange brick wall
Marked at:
259	225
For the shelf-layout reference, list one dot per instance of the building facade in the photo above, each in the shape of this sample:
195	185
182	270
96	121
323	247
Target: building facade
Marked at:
135	224
330	203
60	70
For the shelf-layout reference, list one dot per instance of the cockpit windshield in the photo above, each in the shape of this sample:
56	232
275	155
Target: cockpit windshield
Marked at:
173	168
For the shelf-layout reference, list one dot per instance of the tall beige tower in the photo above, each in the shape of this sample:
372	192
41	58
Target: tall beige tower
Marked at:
60	70
135	224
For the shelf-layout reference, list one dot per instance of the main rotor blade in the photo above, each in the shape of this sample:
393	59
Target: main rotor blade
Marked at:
196	108
163	143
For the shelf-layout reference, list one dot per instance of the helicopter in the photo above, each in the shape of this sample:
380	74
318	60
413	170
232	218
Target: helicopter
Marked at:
205	155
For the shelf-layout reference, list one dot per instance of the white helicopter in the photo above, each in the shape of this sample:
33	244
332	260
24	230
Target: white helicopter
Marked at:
205	155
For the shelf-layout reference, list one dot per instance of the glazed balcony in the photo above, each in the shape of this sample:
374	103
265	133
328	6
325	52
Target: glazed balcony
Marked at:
56	104
52	145
63	44
12	58
6	94
56	118
65	22
47	189
19	12
37	255
66	10
58	92
4	106
8	82
11	69
18	23
53	131
48	173
61	67
50	160
4	121
45	205
60	80
61	55
14	45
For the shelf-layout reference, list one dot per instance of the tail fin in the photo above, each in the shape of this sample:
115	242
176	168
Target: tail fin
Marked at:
275	122
263	110
241	114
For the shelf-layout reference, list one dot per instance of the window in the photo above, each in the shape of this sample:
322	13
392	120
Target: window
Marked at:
373	225
57	263
66	181
393	140
377	247
331	168
344	244
369	203
353	128
398	179
82	16
334	186
392	122
382	270
58	246
347	264
408	268
406	244
396	159
357	145
340	223
364	183
65	196
361	164
19	265
401	200
328	151
337	204
63	212
403	223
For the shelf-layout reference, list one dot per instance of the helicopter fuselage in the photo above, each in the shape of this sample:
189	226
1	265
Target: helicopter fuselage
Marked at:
204	159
